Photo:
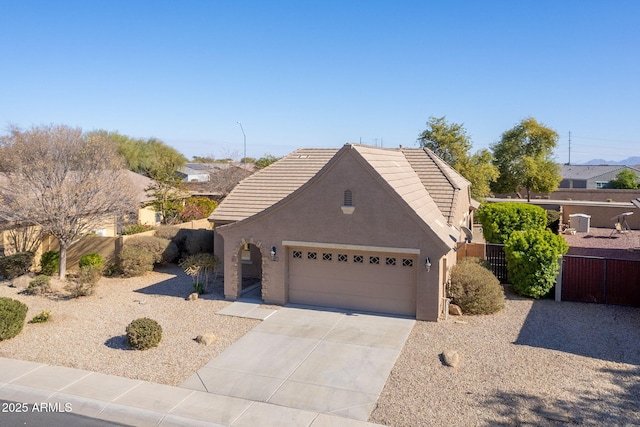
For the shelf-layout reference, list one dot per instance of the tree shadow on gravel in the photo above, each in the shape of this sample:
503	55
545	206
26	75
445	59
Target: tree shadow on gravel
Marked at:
605	332
619	406
181	285
118	343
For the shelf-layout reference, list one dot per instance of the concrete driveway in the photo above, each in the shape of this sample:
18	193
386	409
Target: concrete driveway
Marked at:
333	362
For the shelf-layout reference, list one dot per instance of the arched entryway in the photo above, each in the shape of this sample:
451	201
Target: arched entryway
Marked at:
250	271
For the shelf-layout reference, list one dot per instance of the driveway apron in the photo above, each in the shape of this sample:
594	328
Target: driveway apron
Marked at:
329	361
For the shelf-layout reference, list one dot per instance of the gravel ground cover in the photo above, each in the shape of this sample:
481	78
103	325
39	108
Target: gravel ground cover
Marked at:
536	363
601	242
89	332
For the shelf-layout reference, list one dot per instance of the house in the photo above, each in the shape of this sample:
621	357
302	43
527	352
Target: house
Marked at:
591	176
358	227
194	172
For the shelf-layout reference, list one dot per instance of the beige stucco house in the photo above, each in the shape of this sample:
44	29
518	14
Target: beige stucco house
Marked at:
359	228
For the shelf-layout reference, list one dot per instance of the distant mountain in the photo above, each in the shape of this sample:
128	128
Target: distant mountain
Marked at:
628	162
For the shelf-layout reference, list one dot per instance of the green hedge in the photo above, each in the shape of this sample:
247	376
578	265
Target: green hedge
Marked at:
533	261
499	220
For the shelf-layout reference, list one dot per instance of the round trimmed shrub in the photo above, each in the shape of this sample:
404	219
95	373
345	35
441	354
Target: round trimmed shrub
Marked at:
16	265
499	220
143	333
12	316
50	263
91	260
474	288
135	261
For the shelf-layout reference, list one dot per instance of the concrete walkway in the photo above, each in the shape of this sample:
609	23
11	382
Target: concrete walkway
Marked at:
310	359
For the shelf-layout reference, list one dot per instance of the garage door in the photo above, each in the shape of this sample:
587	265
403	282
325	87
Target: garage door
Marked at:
371	281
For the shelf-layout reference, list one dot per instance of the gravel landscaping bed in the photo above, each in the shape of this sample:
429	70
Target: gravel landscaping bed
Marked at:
89	332
536	363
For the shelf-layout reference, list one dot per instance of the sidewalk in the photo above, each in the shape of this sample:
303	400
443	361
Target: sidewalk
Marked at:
141	403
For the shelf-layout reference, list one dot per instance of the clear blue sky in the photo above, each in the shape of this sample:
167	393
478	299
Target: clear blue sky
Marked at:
323	73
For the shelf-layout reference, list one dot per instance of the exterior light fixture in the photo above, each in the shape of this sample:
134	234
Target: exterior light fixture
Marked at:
273	253
427	264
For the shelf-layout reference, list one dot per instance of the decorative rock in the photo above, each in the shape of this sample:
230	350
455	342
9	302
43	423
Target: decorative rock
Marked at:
455	310
22	281
206	339
556	415
193	296
451	358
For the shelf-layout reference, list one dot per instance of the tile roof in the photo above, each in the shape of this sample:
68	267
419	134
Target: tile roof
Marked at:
423	180
590	171
268	186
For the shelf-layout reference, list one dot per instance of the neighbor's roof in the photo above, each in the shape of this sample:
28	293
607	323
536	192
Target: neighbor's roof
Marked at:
590	171
420	177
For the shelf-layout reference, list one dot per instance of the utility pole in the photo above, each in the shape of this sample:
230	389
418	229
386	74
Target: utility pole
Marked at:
569	149
244	157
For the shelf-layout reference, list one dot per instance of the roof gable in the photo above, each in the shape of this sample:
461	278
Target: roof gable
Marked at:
585	172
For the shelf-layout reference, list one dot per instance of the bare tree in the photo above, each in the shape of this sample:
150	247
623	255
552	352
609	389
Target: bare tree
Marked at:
63	181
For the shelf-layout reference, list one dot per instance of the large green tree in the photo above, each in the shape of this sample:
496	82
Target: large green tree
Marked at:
452	144
625	179
523	157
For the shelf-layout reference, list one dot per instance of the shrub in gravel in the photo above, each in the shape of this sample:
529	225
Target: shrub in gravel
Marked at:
16	265
533	261
50	263
84	282
94	260
40	285
162	249
143	333
474	288
41	318
135	261
12	316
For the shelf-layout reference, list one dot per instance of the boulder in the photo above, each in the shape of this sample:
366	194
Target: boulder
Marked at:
206	339
451	358
193	296
455	310
22	281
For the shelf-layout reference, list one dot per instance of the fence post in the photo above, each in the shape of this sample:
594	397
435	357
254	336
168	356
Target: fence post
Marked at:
559	280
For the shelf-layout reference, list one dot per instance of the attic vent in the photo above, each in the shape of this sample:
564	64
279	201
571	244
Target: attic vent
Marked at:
348	198
347	205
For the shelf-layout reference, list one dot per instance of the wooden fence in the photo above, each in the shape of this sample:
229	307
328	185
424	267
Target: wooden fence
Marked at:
601	280
584	279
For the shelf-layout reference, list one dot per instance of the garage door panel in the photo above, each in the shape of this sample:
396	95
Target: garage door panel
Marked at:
348	279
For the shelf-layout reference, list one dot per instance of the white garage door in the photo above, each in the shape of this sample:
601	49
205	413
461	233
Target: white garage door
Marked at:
370	281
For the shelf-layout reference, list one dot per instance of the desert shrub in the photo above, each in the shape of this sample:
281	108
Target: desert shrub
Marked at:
94	260
553	221
157	246
197	242
474	288
40	285
198	267
143	333
135	229
12	316
533	261
499	220
135	262
83	283
41	318
168	232
197	208
16	265
50	263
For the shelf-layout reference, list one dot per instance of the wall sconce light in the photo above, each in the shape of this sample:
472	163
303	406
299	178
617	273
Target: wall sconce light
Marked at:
427	264
273	253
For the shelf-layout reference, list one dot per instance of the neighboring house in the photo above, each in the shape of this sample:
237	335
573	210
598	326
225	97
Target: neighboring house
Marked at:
194	172
358	227
591	176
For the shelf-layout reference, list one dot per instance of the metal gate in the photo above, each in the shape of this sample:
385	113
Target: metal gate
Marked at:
498	261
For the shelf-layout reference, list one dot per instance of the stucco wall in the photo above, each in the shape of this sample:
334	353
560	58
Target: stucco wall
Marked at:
315	215
601	216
